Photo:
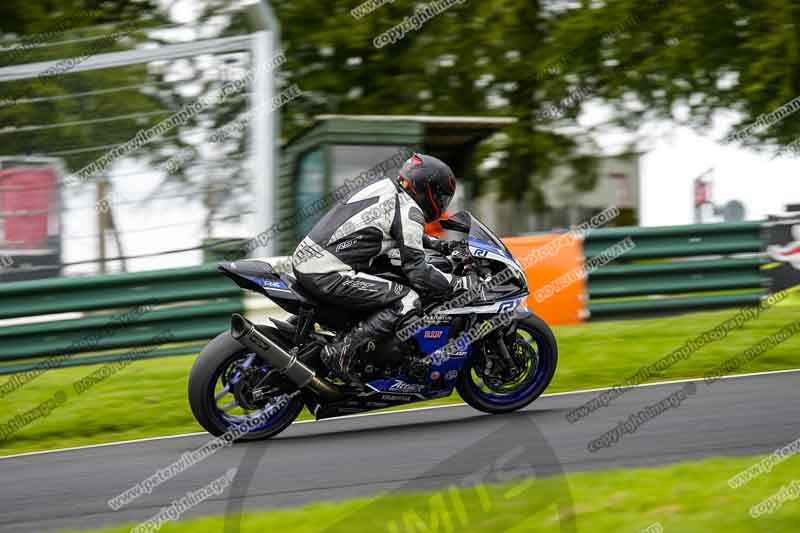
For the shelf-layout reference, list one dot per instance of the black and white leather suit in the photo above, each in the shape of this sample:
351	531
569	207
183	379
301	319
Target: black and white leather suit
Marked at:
333	262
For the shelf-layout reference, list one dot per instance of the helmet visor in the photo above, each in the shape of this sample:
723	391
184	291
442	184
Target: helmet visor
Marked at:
439	200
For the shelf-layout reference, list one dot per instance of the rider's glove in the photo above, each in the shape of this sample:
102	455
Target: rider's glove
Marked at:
439	245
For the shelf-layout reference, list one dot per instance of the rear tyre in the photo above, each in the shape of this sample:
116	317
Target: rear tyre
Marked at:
535	344
213	389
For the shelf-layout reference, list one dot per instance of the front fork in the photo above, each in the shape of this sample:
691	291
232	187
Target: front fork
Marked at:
499	341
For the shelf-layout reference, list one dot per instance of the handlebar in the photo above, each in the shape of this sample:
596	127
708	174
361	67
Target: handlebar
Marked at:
459	256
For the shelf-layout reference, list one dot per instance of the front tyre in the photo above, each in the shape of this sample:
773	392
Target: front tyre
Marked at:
534	347
220	393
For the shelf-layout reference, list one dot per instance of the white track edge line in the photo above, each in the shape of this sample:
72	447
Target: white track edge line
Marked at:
411	409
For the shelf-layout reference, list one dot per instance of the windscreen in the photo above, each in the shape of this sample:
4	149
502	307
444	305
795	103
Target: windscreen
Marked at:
466	222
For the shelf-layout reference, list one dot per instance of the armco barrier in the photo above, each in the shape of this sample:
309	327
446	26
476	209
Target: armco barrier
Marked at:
188	305
677	268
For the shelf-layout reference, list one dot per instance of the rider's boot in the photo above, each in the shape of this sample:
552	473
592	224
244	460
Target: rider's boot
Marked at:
339	355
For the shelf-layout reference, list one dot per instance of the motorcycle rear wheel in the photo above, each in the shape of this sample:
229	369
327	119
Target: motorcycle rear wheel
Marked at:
211	382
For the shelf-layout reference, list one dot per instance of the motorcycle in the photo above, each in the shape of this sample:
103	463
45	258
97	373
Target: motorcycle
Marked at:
254	380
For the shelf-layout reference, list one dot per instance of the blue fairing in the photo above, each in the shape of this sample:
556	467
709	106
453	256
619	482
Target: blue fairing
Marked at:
448	367
480	244
268	283
443	370
432	338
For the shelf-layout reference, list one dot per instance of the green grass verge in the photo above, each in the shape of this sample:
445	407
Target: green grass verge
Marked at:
688	498
148	398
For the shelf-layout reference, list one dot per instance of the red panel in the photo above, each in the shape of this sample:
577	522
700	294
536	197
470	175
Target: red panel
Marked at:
26	189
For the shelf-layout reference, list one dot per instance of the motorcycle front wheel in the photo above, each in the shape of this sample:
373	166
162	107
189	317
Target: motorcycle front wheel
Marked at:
534	348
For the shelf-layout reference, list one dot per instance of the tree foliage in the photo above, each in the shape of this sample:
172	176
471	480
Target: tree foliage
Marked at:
648	59
534	60
37	114
476	58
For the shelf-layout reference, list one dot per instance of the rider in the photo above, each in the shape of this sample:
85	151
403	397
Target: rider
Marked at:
332	261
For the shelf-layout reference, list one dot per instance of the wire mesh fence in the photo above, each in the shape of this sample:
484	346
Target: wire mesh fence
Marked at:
110	153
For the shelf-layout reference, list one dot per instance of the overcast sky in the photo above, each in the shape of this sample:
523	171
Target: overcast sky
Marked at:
674	155
764	185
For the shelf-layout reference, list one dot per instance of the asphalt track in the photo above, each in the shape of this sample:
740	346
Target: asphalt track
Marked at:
420	449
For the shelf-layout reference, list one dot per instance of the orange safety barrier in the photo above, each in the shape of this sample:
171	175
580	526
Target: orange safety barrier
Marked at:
562	302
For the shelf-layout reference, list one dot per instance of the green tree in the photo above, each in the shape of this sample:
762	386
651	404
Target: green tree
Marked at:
648	58
37	114
476	58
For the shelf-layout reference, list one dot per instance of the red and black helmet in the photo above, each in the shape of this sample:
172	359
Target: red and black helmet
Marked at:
430	182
